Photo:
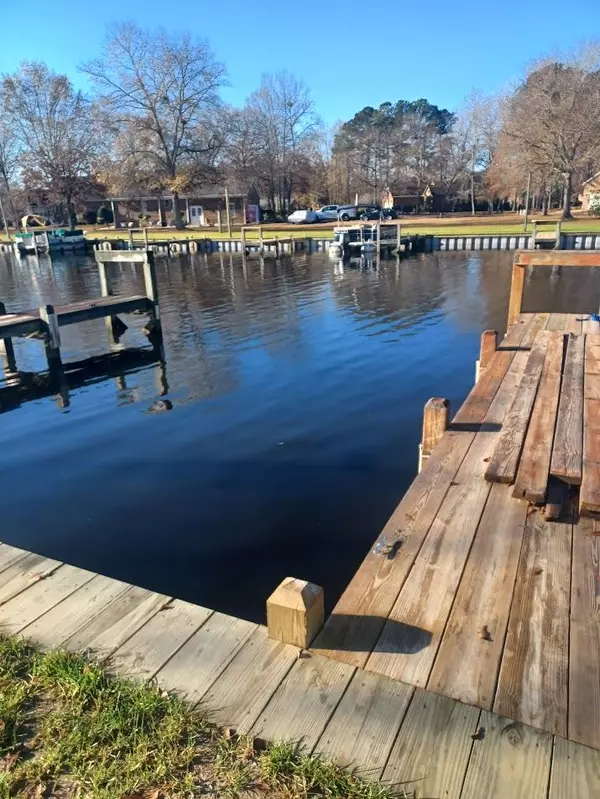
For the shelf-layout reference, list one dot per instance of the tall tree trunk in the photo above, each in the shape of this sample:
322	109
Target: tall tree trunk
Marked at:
566	204
472	192
179	224
71	212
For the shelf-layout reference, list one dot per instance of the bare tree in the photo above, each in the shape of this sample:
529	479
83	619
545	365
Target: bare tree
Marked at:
281	113
554	117
162	88
9	159
52	122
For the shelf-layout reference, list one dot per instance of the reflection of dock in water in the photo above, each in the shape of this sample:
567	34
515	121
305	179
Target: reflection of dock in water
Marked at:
60	382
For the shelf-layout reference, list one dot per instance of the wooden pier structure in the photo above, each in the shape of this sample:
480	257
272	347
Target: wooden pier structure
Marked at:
46	321
463	659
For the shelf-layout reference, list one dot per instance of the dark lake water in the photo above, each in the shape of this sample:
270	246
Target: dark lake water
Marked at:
297	389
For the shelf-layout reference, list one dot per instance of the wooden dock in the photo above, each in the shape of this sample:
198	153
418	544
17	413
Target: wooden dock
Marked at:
431	744
473	592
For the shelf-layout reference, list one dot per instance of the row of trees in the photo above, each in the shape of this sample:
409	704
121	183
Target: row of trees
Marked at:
155	123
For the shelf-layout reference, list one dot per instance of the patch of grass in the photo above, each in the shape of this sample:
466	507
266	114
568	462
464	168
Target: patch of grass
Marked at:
69	729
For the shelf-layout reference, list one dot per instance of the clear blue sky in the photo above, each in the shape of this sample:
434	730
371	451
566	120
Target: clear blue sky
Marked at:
349	53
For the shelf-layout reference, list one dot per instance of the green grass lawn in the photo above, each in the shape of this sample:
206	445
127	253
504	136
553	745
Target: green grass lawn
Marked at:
68	729
510	225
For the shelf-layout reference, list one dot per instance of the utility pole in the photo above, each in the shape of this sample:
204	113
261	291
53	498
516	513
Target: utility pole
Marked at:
527	202
4	220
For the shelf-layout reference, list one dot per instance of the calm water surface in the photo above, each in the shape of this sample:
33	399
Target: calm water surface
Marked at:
297	389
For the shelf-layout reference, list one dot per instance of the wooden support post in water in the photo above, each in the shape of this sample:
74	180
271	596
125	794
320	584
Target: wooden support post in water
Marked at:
219	223
145	238
487	348
114	326
533	235
558	242
227	212
153	329
398	238
51	337
130	231
243	236
7	352
295	612
435	423
378	229
516	292
260	239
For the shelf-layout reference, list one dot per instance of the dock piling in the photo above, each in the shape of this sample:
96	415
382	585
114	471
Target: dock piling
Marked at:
436	416
51	337
7	352
295	612
487	348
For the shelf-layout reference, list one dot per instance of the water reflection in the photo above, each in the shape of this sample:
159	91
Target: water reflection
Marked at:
294	389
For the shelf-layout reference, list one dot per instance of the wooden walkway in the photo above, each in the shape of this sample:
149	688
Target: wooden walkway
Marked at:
433	745
483	598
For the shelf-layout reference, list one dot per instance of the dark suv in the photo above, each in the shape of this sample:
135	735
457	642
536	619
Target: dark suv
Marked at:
364	212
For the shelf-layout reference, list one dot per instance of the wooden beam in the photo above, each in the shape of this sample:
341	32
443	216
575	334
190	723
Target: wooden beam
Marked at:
516	291
557	258
134	256
7	352
295	612
436	416
567	452
487	348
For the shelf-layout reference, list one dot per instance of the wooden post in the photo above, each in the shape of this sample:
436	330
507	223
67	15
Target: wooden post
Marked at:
558	242
130	239
7	352
533	235
295	612
145	238
487	348
516	293
113	208
153	329
378	230
277	246
227	213
187	211
51	337
114	326
435	423
398	237
260	238
219	223
243	235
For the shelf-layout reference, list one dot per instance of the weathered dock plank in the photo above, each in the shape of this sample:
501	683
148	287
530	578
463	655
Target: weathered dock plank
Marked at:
575	771
567	453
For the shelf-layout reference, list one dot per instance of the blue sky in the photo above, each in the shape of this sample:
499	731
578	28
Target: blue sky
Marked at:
349	53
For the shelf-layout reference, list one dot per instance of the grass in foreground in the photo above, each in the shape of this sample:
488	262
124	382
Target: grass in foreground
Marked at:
68	729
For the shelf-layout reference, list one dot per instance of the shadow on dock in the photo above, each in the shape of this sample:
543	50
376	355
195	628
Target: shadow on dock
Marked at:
24	387
354	633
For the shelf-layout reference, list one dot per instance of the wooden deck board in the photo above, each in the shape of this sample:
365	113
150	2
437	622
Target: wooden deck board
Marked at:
304	702
205	655
365	724
509	443
41	596
534	671
147	651
407	646
8	556
567	453
575	771
508	759
431	752
22	573
261	663
532	476
474	636
589	495
584	660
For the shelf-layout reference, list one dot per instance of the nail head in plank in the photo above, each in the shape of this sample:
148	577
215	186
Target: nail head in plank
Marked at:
532	476
432	749
575	771
474	635
507	452
567	451
509	759
261	663
584	663
205	655
114	625
147	651
364	726
533	682
304	702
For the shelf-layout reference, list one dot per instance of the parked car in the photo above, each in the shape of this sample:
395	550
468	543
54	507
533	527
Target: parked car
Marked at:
389	213
269	217
363	212
328	213
303	217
